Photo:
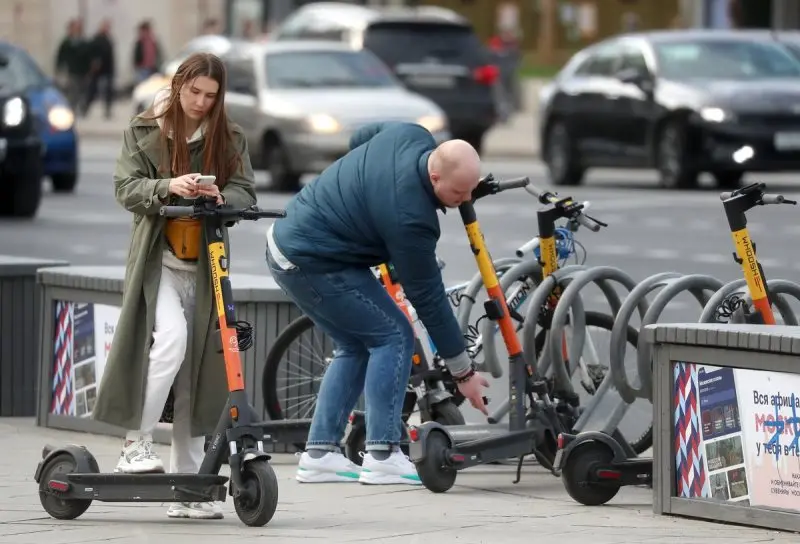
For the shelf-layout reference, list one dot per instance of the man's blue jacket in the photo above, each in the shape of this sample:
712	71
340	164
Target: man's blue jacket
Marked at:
376	205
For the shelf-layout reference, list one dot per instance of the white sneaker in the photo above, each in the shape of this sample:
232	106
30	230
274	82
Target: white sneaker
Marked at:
138	457
332	467
195	510
397	469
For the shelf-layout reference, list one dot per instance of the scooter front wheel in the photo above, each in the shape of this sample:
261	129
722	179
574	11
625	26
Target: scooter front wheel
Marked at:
259	500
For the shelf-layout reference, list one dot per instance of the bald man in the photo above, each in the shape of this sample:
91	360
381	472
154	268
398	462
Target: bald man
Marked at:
376	204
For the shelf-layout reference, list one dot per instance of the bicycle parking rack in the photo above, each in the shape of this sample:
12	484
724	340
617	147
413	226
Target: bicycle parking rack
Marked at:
738	288
607	407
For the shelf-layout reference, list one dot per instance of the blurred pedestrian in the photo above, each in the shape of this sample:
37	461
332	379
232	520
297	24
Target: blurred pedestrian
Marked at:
166	338
73	64
101	76
147	56
357	214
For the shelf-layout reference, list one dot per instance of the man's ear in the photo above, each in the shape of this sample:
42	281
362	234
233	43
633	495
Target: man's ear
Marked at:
435	178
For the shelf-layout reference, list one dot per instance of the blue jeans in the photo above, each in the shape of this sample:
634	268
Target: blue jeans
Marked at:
374	345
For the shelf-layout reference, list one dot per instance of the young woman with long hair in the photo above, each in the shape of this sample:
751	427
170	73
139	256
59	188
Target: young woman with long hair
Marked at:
165	337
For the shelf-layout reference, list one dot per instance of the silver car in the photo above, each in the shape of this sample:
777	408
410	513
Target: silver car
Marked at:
299	103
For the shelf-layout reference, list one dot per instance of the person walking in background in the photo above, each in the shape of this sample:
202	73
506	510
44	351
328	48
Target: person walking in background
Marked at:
101	76
72	64
146	52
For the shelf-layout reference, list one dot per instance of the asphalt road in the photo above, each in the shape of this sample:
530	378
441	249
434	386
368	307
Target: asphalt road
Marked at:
649	230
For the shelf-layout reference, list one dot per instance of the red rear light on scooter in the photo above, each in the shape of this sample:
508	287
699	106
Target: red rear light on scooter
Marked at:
486	75
561	442
605	474
55	485
413	434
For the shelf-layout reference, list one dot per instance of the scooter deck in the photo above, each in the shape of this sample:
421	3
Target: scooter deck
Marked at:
148	487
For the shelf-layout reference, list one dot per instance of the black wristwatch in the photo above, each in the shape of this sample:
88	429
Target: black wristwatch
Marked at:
466	377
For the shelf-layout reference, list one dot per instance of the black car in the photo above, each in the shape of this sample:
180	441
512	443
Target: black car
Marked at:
20	150
682	102
433	51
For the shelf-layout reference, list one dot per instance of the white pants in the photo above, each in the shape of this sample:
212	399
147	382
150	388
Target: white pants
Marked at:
171	335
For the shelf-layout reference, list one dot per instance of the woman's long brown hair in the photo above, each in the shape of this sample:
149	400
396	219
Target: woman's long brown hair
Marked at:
219	154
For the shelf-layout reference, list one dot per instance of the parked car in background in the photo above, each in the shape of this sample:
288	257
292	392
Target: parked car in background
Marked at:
433	51
299	103
50	112
144	92
680	101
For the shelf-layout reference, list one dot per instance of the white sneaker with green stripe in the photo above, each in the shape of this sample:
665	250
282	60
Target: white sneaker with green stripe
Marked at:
332	467
397	469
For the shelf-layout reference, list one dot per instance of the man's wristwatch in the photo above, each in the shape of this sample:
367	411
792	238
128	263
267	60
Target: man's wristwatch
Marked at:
463	378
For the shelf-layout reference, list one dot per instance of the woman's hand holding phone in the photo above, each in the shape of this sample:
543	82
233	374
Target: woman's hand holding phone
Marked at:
184	186
206	187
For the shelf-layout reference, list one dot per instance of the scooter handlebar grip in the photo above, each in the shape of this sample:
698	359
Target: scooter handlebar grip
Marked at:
176	211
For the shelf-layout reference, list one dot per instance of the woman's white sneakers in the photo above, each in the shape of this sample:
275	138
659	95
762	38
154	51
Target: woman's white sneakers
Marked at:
335	467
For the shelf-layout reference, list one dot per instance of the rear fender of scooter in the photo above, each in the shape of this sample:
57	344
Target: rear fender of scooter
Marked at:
417	450
592	436
85	463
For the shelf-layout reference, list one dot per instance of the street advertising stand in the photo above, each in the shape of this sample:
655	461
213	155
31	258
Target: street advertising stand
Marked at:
18	335
79	308
726	404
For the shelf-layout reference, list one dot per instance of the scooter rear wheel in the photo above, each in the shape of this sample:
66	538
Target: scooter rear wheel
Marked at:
262	486
577	474
433	472
64	509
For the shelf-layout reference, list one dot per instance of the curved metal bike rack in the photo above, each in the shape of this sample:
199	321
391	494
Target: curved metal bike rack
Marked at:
535	299
598	275
696	284
777	289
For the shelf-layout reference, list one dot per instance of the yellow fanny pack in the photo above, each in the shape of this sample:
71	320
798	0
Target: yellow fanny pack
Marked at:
183	236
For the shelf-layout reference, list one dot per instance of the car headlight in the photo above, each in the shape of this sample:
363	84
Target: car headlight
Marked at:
434	123
322	123
14	112
716	115
61	118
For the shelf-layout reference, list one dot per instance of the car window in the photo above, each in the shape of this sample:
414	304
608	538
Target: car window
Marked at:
632	58
725	59
241	76
315	69
602	62
20	73
403	42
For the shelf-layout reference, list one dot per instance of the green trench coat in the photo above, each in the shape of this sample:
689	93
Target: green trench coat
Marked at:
121	394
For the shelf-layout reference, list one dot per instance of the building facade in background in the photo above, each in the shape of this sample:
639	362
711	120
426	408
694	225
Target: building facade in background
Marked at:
40	25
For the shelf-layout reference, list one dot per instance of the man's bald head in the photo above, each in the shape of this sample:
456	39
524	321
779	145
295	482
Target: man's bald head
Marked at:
455	170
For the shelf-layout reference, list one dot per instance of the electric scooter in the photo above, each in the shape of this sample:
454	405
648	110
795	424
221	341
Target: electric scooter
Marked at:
594	465
69	477
439	452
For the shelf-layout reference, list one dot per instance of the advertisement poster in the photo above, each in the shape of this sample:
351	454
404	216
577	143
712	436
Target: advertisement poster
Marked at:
83	334
736	435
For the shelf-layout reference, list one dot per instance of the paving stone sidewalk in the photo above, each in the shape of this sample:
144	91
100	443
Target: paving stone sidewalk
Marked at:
483	507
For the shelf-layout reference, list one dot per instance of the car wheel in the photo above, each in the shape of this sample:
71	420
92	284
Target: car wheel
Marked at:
20	196
279	167
672	158
561	157
64	183
727	179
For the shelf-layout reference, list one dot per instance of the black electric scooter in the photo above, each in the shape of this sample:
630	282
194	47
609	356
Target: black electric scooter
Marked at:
594	465
69	477
440	452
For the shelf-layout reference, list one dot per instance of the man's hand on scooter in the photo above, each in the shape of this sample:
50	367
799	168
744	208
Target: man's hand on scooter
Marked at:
472	389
